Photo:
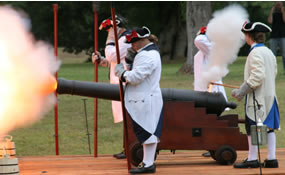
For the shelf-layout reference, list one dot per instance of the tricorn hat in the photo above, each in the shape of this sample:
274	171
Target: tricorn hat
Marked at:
202	31
138	34
108	23
255	27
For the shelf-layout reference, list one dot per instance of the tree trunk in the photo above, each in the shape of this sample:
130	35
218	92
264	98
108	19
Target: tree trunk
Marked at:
180	46
198	14
167	37
172	40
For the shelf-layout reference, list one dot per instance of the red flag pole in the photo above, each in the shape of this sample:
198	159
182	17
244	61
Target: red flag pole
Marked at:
121	87
55	7
95	8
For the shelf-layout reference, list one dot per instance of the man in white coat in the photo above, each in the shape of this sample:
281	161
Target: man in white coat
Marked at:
111	60
259	88
143	98
201	59
200	62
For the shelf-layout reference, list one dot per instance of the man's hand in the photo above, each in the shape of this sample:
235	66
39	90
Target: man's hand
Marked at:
96	57
242	91
272	9
282	9
119	71
131	54
235	93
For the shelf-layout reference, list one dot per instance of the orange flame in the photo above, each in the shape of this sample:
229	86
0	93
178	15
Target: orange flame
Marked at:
49	86
210	88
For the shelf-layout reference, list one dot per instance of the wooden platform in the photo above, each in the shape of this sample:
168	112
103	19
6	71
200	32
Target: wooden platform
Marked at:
190	163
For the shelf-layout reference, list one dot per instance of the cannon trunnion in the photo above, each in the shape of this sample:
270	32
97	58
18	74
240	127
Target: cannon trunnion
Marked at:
191	121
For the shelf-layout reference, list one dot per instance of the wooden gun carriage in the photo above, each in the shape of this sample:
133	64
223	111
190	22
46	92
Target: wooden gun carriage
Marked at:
191	121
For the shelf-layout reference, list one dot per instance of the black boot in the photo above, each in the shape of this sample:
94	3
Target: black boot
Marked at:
271	163
142	169
120	155
206	154
247	164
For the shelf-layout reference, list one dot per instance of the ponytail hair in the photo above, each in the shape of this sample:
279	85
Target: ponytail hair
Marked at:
258	37
153	38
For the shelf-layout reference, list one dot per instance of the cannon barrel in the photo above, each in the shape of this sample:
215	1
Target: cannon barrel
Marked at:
214	103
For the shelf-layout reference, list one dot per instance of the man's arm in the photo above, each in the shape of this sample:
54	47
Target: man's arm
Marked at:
110	51
203	44
283	13
270	17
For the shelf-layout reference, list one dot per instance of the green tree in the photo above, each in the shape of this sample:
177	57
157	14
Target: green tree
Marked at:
75	23
167	20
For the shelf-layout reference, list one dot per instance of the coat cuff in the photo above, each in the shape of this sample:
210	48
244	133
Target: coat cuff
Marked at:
122	78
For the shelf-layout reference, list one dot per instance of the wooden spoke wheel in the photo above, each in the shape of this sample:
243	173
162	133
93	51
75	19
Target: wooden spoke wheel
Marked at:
226	155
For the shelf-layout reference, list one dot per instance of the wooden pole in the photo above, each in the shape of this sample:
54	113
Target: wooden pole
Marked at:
95	8
121	87
55	7
225	85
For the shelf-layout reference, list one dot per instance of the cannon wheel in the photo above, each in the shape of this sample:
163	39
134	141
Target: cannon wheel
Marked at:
136	153
226	155
213	154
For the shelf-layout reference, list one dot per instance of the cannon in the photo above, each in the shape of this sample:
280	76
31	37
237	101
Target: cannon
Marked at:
214	103
191	120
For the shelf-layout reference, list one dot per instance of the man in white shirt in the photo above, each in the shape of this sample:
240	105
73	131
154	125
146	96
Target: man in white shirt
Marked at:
201	60
111	60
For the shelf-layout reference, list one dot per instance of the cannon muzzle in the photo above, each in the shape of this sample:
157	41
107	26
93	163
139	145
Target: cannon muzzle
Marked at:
214	103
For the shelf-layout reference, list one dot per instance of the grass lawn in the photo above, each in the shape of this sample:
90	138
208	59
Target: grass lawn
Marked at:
38	139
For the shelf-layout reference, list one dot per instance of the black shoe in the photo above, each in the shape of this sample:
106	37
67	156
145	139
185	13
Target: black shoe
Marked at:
271	163
206	154
247	164
142	169
120	155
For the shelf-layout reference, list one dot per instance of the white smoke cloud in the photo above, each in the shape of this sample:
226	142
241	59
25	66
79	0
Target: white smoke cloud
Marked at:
224	32
27	67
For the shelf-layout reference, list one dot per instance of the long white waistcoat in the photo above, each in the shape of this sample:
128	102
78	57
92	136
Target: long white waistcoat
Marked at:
143	98
111	56
260	72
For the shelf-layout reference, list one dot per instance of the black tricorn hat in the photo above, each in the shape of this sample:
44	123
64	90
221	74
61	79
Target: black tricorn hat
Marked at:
137	34
255	27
